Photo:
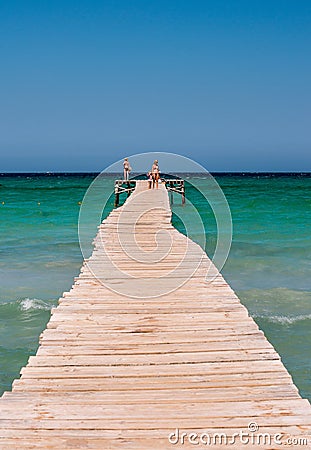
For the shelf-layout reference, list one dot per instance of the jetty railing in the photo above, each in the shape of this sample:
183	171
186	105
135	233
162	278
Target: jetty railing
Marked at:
121	187
172	185
177	186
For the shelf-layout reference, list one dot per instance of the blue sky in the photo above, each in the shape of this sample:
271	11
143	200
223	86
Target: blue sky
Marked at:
226	83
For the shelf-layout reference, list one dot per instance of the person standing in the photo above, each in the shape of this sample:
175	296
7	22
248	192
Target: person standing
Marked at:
150	179
126	169
155	173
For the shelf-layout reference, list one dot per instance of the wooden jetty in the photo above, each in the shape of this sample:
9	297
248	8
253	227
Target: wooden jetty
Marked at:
178	352
127	187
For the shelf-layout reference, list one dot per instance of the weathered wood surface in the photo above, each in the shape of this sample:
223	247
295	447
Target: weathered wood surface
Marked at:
178	351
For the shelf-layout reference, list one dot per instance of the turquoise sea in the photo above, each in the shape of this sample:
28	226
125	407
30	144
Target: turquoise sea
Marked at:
269	265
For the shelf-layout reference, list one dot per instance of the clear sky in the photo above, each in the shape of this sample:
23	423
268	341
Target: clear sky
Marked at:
226	83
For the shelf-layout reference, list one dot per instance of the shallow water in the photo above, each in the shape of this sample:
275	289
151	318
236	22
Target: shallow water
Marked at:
268	266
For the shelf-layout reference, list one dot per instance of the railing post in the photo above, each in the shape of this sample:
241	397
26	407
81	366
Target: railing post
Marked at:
116	194
183	198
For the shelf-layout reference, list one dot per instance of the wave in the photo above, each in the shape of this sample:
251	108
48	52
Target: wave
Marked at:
32	304
283	320
278	305
27	304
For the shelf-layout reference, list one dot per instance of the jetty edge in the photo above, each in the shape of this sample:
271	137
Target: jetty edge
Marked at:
150	345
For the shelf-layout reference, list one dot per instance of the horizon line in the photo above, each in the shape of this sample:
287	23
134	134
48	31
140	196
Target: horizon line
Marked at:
91	172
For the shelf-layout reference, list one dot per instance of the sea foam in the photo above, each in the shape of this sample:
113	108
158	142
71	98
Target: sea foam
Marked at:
284	320
28	304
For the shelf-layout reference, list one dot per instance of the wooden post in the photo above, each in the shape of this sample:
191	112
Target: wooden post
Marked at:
172	193
116	194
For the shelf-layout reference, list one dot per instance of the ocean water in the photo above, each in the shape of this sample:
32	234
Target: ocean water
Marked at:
269	264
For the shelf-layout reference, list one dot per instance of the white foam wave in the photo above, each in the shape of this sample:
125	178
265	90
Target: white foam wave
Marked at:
284	320
28	304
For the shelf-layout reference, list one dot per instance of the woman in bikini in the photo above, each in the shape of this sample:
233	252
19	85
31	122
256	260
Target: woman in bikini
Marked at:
126	169
155	174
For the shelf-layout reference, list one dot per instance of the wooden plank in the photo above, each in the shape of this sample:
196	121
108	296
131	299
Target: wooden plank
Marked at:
207	368
154	442
252	398
134	383
151	423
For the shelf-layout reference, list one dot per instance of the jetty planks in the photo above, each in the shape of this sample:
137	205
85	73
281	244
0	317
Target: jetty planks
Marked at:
150	339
